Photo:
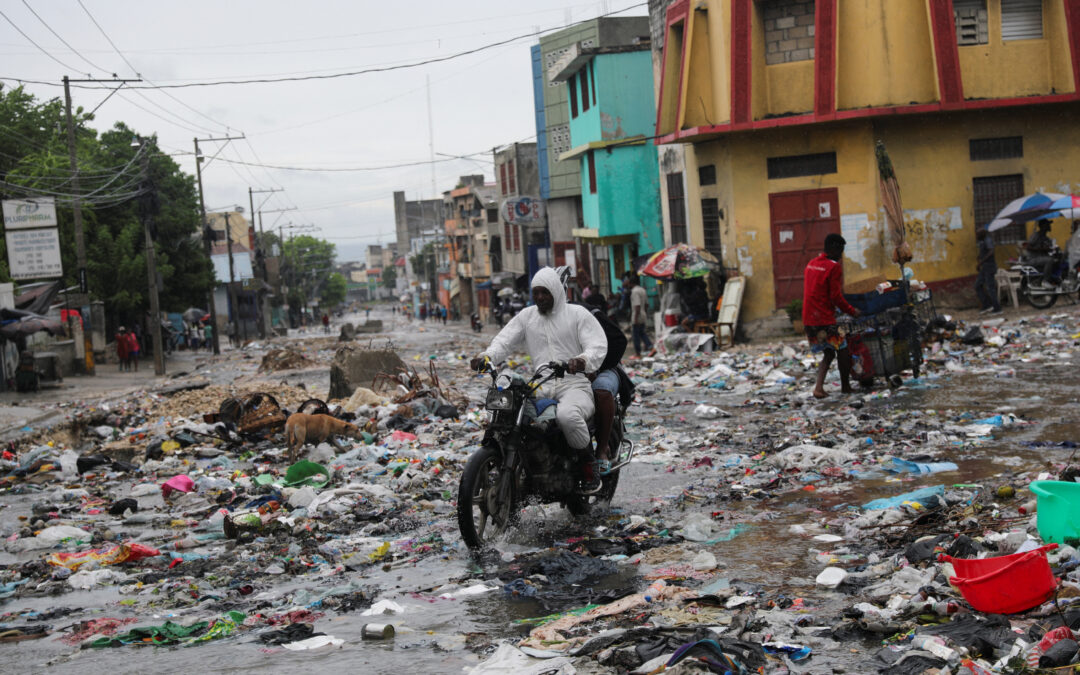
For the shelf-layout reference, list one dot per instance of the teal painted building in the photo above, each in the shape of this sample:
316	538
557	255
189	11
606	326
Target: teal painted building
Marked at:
612	121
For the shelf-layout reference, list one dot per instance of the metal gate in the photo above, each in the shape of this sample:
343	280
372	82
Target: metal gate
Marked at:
800	221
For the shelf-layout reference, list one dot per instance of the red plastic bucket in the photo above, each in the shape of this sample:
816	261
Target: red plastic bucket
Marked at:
1007	584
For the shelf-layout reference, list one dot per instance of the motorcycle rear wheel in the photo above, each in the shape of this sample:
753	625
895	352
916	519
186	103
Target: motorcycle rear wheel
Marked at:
580	505
487	499
1038	301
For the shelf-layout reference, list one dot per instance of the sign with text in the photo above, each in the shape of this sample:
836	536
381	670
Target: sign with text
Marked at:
34	254
522	210
21	214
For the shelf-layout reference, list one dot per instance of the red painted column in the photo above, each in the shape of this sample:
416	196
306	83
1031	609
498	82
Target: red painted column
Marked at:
1072	19
825	57
947	53
741	64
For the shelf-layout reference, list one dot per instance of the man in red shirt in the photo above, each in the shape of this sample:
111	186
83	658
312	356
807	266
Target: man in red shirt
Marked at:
822	294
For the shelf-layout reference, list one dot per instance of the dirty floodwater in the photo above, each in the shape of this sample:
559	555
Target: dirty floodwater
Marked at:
686	465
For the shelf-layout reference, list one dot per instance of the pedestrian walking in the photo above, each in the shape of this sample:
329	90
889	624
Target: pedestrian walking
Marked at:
639	301
823	283
986	280
122	348
133	351
443	313
208	337
326	322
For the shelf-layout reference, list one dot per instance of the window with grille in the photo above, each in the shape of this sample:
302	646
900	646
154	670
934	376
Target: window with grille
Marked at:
707	175
971	22
676	208
516	229
512	185
710	219
502	179
801	165
493	215
1008	147
1021	19
993	193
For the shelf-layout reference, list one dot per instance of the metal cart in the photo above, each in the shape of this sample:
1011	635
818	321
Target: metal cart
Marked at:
890	339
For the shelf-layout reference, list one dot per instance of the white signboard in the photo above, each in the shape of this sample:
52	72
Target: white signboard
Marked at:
241	267
34	254
20	214
522	210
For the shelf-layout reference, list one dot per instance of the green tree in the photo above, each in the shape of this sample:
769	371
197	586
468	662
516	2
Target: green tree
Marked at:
333	291
389	278
307	264
118	190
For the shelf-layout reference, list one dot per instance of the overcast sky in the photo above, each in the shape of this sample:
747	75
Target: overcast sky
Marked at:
479	101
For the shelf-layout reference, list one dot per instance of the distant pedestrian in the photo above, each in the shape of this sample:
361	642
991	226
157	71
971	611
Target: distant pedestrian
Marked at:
823	283
986	281
444	313
326	322
133	350
122	348
367	313
423	312
208	337
639	301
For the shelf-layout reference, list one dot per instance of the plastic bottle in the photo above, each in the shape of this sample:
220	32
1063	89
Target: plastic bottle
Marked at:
652	593
937	647
946	608
1028	507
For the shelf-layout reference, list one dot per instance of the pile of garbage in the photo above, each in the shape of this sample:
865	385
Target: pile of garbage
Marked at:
284	359
895	530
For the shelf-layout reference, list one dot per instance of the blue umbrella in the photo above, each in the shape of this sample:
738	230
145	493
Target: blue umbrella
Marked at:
1031	207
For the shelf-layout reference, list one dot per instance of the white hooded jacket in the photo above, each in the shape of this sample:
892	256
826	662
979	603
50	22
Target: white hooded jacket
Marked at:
567	332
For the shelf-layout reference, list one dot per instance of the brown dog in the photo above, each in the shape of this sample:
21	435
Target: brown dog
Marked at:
302	428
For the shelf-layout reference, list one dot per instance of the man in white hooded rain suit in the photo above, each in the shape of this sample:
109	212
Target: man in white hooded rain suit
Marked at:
554	330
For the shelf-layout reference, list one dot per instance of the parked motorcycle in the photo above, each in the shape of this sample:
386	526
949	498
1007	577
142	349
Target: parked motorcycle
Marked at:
474	321
524	458
1042	293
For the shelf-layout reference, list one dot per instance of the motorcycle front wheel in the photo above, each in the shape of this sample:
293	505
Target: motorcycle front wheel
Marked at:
486	499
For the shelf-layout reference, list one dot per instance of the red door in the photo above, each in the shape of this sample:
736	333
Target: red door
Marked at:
800	222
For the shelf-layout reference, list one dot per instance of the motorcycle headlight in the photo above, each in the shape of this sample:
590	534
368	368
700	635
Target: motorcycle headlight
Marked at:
499	400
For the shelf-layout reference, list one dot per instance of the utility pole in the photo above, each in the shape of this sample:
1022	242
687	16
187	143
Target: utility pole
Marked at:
151	261
206	236
80	242
234	307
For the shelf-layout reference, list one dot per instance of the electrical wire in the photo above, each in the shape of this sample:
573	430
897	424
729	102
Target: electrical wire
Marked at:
363	71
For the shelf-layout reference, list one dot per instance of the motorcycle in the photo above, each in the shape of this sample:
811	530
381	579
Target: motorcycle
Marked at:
1041	293
523	458
474	321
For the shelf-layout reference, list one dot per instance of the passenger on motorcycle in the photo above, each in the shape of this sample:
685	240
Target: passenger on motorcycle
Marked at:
554	330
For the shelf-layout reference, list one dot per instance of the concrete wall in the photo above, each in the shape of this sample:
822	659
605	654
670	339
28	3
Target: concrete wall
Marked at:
931	157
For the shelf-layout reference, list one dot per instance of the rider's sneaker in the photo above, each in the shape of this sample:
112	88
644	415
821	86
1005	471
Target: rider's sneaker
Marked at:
590	478
996	311
987	310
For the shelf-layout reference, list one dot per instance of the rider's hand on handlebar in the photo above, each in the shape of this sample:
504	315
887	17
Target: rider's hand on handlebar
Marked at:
477	363
576	365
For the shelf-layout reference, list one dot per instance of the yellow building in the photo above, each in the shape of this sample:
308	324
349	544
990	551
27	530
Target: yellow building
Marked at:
780	102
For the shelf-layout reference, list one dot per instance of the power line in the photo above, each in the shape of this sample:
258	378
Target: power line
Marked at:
366	71
42	49
354	168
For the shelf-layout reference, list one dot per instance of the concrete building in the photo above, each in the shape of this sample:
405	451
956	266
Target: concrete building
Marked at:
560	182
782	101
521	219
419	223
470	209
611	124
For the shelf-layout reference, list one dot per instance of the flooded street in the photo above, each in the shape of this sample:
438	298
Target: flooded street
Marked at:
387	536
